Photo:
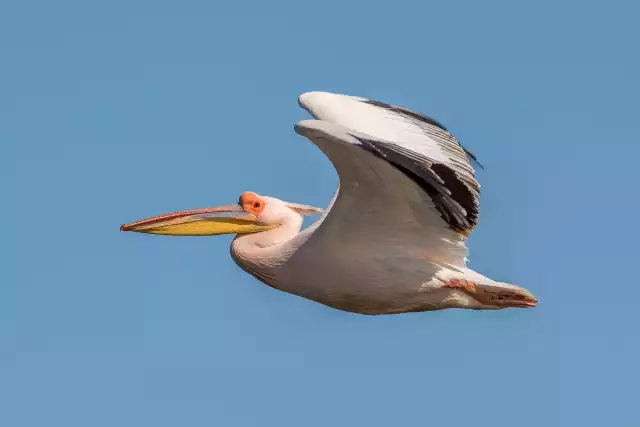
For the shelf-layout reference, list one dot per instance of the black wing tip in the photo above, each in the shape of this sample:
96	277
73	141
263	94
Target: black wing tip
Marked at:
473	157
458	209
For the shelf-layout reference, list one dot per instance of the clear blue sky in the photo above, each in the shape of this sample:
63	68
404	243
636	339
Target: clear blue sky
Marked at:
115	111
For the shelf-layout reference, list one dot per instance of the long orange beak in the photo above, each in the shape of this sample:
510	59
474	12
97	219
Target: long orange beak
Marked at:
231	219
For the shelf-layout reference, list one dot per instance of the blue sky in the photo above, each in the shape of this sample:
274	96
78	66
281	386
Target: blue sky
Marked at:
114	111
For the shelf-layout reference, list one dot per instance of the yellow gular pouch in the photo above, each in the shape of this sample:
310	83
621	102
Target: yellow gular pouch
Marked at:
204	227
230	219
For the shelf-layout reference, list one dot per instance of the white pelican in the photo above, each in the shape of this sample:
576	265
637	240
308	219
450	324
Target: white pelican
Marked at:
393	237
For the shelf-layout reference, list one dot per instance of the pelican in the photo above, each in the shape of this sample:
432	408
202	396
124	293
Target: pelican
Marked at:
392	239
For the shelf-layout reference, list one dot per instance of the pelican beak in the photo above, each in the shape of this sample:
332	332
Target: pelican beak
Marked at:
231	219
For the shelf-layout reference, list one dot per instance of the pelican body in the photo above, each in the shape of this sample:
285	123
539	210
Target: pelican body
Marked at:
392	239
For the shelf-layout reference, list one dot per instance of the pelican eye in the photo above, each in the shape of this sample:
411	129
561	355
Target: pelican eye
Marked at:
256	205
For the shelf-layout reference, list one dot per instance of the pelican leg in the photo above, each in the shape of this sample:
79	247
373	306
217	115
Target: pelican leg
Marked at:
497	295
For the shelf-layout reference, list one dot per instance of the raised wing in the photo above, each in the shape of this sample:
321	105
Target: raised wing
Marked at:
381	211
419	146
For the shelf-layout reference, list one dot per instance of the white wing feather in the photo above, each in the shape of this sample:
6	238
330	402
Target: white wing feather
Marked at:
378	213
413	142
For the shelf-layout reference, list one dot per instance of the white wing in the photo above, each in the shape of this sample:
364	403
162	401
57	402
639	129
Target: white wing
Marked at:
380	212
416	144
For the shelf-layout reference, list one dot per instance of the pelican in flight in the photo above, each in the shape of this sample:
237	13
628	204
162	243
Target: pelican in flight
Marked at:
392	239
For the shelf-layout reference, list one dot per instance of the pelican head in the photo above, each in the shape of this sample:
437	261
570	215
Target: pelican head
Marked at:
252	214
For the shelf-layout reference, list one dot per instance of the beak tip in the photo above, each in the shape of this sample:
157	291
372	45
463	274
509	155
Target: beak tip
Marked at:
123	227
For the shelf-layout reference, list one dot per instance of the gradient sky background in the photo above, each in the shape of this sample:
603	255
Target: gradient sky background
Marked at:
115	111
